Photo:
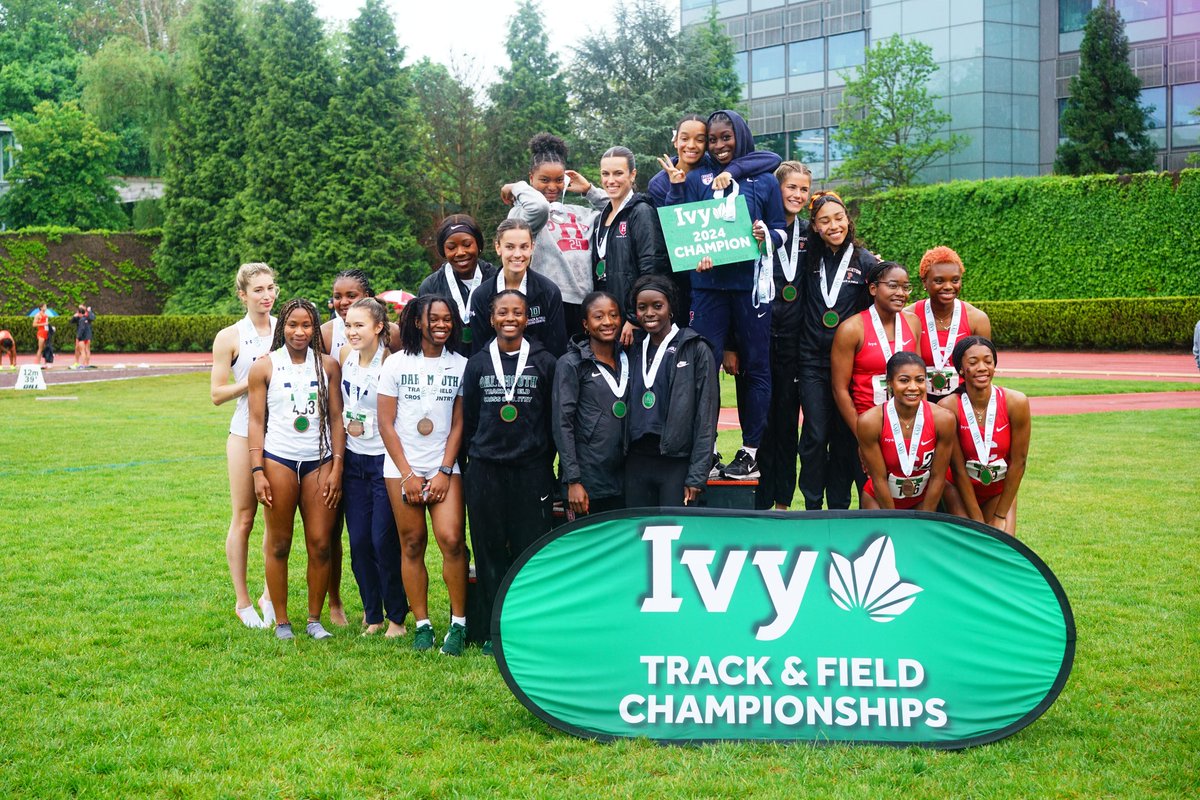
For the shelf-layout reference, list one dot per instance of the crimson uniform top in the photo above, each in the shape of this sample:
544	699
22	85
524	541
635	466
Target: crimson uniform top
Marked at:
944	342
867	381
921	464
998	455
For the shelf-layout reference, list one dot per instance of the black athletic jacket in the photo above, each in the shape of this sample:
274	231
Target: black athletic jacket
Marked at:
786	316
435	283
526	441
589	437
546	324
694	402
816	340
635	247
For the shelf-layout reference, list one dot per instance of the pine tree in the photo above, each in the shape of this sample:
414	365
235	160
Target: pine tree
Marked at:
283	164
204	176
1104	122
530	96
376	173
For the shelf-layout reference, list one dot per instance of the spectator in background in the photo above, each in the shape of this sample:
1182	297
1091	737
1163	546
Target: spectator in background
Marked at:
41	327
8	347
83	319
1196	345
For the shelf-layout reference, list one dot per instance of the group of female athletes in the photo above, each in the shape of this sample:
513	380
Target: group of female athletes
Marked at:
584	344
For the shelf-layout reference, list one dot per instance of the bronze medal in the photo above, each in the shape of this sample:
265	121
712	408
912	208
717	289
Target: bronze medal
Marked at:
939	380
830	318
789	293
908	488
355	427
300	424
425	426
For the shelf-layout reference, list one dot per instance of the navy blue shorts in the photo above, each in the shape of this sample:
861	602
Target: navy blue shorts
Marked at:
301	468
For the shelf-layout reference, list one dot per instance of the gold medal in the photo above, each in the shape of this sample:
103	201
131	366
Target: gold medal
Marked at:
355	427
425	426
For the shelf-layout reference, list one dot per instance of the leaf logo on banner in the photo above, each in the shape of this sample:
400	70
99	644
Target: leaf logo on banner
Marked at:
871	582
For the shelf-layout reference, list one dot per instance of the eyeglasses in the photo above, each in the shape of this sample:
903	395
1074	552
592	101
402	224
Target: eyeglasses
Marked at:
894	285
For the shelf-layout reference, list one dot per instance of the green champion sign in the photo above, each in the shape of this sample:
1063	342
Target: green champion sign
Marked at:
867	627
695	230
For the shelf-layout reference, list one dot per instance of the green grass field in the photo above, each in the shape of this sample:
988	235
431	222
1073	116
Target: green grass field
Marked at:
127	675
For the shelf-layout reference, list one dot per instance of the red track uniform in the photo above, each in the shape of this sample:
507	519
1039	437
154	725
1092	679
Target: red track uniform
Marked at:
868	381
997	459
907	490
963	331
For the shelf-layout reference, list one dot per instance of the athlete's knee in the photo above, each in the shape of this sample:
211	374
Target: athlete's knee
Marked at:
279	550
413	544
453	546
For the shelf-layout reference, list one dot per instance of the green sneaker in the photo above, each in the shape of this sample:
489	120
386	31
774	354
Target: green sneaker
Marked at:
487	647
456	640
423	638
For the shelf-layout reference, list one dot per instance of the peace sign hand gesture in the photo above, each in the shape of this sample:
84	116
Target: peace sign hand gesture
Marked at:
673	171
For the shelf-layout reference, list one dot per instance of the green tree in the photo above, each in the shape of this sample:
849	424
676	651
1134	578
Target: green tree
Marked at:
130	90
37	58
1104	122
375	184
283	163
62	174
631	86
529	97
456	141
204	175
887	121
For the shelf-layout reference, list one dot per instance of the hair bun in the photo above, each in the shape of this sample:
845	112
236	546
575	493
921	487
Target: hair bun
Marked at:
547	144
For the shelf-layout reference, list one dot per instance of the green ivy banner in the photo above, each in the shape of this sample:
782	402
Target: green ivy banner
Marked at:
698	625
720	229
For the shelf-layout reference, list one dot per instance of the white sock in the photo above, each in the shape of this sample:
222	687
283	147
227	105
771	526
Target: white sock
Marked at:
424	623
458	620
752	451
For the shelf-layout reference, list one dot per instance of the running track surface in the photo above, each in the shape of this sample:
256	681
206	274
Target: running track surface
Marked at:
1138	366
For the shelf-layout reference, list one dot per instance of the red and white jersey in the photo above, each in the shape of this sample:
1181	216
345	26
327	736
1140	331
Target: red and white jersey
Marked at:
946	340
907	490
987	473
868	381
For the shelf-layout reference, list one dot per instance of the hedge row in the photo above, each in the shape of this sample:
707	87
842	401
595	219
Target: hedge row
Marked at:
1156	323
1050	237
117	334
1107	324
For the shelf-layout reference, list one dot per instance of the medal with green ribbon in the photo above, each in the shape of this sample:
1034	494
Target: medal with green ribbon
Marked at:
617	385
648	375
830	293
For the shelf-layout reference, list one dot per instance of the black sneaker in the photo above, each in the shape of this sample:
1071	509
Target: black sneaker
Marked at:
743	468
717	468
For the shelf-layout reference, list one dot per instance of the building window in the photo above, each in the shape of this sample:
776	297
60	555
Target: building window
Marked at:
775	142
1072	14
767	72
804	21
837	152
743	73
1185	126
689	5
1187	17
846	50
806	65
1155	101
1135	10
808	146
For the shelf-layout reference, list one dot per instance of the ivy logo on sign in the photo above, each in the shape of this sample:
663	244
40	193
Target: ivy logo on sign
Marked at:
697	625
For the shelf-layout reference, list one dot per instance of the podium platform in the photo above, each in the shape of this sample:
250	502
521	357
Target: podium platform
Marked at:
740	495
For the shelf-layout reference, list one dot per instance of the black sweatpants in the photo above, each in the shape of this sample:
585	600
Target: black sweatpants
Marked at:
509	507
829	461
777	455
654	480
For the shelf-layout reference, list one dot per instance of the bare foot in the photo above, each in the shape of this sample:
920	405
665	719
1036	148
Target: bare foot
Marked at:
395	631
371	630
337	614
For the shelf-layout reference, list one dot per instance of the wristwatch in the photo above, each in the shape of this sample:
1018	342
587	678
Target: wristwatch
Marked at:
446	470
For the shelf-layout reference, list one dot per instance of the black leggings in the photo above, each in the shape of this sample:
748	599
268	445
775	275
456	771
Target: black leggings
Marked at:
654	480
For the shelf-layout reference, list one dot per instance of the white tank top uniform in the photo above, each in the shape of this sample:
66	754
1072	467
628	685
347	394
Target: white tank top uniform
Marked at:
293	427
338	335
425	390
359	399
251	347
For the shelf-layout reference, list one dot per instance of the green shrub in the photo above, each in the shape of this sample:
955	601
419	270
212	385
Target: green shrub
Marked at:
134	334
1139	323
1050	237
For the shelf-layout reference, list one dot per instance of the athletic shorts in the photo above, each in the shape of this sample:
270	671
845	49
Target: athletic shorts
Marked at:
301	468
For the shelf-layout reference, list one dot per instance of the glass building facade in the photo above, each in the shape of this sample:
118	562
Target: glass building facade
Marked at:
1004	68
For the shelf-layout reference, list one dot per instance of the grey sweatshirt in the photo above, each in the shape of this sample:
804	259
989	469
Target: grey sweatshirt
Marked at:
562	237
